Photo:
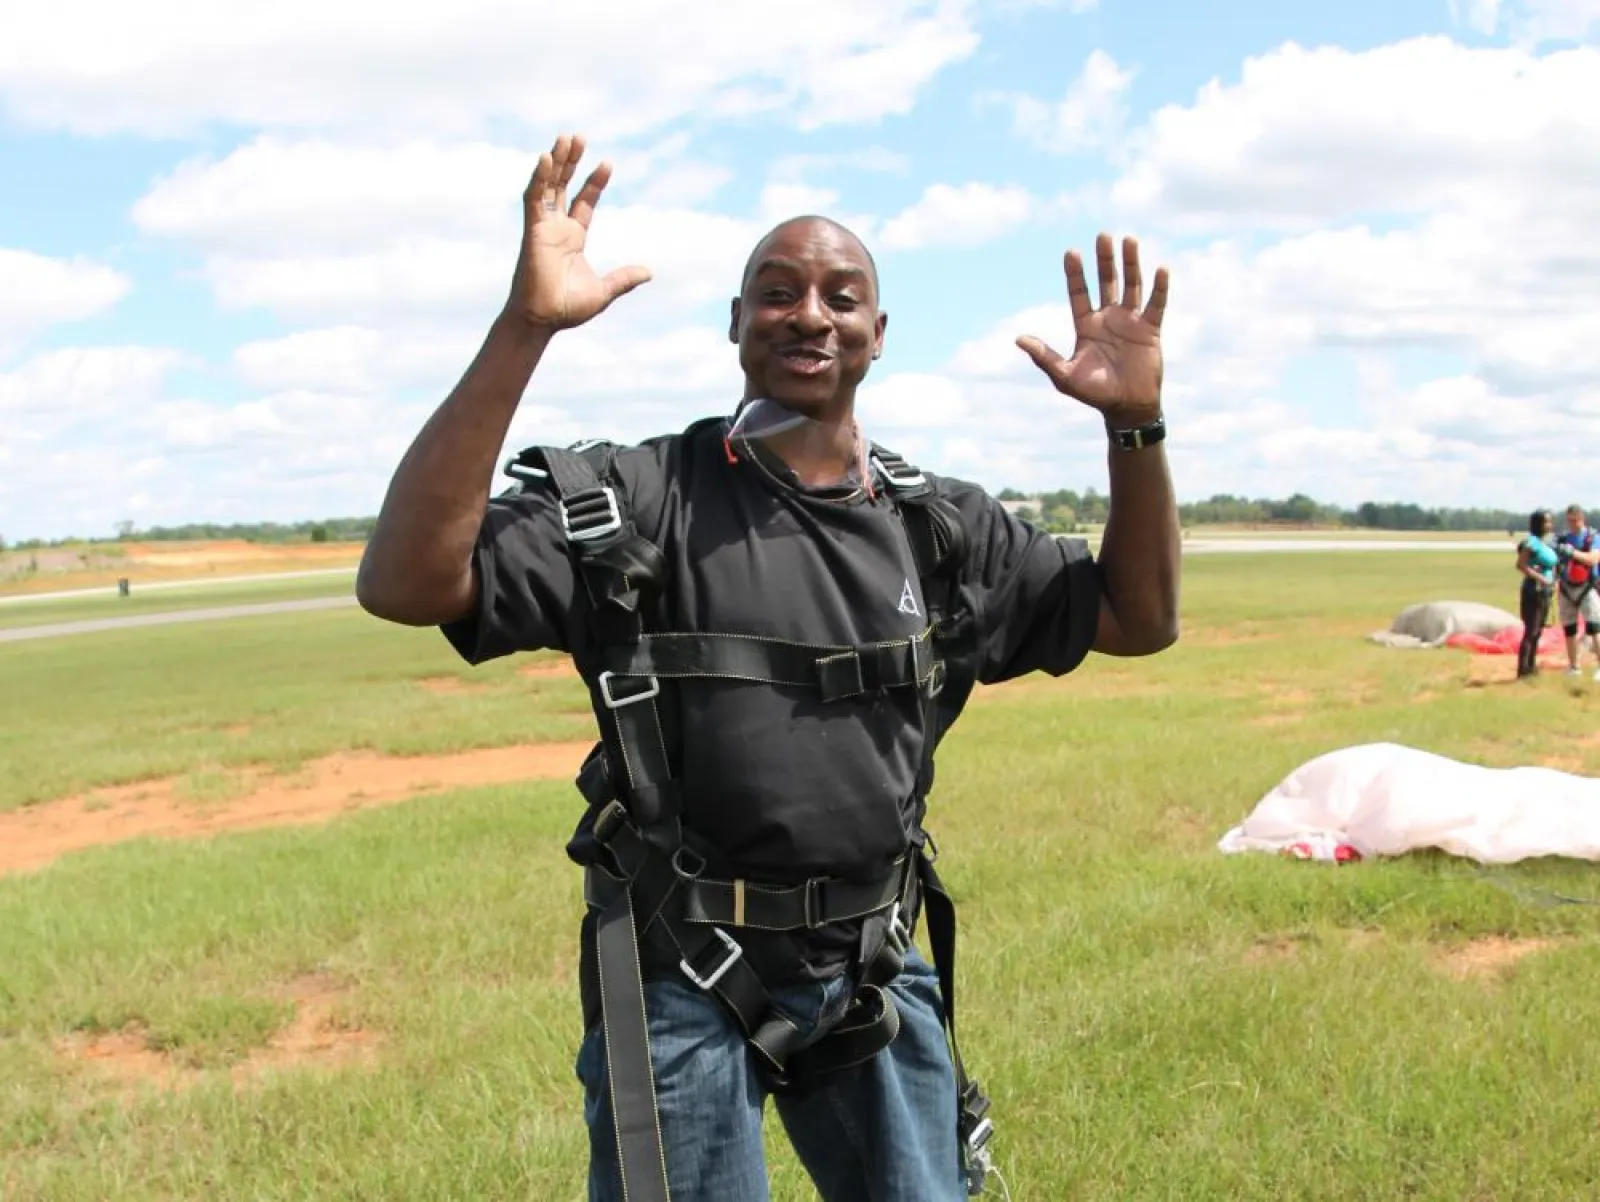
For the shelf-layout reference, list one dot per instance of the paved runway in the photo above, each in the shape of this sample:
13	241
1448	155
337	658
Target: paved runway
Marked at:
93	625
1193	546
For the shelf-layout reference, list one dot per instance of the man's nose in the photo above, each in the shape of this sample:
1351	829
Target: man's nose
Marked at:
810	315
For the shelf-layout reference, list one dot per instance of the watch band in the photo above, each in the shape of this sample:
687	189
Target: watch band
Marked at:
1133	438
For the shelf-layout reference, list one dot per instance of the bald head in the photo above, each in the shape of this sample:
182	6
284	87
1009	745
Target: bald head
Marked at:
809	228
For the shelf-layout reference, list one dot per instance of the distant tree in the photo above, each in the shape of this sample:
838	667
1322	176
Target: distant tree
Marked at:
319	533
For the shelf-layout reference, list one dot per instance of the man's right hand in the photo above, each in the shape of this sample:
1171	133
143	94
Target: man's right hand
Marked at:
554	288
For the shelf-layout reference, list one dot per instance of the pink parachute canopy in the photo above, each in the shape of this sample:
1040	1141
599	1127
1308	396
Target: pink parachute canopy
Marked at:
1507	640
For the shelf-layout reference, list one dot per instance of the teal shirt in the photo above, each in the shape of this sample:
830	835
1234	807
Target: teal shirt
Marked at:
1541	557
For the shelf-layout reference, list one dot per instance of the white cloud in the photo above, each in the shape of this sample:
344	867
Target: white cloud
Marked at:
37	292
79	387
60	415
965	215
792	168
1452	218
1310	137
1481	16
318	231
1088	116
357	359
780	201
912	400
1530	22
1419	195
276	195
167	67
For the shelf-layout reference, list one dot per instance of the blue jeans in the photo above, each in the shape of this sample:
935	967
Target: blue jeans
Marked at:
884	1131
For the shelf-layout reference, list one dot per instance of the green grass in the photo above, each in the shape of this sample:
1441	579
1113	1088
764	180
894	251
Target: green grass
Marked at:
1155	1020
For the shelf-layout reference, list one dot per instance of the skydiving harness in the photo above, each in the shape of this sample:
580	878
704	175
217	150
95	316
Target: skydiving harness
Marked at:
644	877
1576	580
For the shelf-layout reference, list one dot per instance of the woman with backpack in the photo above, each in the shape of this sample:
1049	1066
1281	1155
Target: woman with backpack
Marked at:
1536	563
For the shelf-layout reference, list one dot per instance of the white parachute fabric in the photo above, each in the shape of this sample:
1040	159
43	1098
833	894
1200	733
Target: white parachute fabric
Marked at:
1430	623
1384	799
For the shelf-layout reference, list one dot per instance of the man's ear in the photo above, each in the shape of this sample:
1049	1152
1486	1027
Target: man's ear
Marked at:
877	341
733	321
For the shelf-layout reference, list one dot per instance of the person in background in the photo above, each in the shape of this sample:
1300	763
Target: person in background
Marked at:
1575	590
1536	563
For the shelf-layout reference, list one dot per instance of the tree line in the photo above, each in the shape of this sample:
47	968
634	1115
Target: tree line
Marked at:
1064	511
322	530
1067	511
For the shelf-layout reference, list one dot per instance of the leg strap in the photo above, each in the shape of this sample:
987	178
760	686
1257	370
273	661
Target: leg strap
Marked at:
631	1081
654	887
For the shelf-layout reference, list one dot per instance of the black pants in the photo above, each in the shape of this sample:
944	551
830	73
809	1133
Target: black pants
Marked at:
1535	607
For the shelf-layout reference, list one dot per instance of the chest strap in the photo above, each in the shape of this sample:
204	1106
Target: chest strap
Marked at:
836	672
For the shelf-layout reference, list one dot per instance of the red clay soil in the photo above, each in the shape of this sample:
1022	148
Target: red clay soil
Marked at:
32	837
318	1034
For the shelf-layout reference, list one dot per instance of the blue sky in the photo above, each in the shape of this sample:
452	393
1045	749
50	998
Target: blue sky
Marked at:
243	262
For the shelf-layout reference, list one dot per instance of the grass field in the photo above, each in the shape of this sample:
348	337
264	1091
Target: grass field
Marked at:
382	1005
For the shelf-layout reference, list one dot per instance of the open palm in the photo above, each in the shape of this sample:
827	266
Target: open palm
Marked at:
554	286
1116	362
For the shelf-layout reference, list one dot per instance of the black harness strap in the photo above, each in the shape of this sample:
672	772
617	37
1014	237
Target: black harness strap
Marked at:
836	672
644	884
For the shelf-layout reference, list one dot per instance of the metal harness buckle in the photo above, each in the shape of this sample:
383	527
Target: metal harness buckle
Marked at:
591	514
897	472
734	951
613	702
813	902
898	934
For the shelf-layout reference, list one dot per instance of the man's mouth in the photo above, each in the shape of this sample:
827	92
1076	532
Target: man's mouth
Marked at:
805	360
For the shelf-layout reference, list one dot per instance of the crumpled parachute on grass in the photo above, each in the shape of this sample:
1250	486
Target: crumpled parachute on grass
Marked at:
1468	625
1385	799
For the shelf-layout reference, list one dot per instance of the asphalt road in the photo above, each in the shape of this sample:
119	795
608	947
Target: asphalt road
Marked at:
1198	546
93	625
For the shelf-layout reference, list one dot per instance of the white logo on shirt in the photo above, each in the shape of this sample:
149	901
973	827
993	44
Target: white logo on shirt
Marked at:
908	600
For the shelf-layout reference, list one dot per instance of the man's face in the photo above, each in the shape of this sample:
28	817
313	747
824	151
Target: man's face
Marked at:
1574	522
807	321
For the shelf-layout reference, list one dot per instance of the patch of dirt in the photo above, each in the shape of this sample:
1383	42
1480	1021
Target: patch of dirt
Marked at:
317	1036
451	686
322	789
1095	686
1284	694
550	669
1488	957
1188	823
1491	669
1280	718
1220	636
1275	947
101	564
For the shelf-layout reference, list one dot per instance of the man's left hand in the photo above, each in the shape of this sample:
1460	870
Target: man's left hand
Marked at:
1116	363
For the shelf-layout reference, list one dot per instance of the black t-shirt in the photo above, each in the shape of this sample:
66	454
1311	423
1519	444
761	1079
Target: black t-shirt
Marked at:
778	782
